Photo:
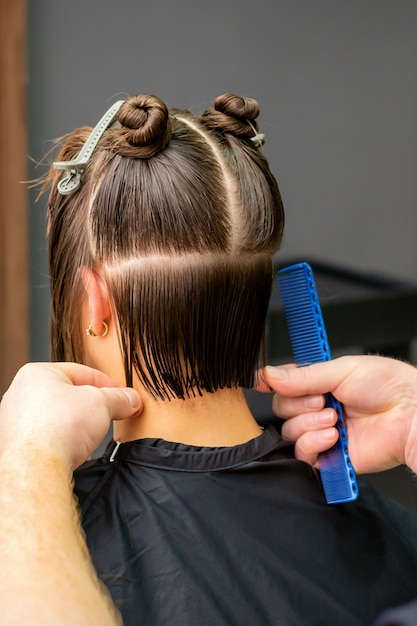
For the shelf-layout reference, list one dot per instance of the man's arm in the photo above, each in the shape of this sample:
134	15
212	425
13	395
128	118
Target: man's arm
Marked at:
51	419
45	571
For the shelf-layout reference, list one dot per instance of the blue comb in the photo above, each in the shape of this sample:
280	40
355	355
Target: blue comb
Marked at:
310	345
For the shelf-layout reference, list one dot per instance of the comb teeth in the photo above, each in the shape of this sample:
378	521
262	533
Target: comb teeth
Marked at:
303	314
310	345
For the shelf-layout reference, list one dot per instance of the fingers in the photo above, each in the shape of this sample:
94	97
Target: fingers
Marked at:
294	428
311	433
79	374
313	379
267	374
122	403
286	407
312	443
64	406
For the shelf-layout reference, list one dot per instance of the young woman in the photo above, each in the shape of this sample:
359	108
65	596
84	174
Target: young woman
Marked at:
162	231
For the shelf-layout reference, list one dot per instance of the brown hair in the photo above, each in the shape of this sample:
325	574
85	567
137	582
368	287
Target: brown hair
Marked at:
183	215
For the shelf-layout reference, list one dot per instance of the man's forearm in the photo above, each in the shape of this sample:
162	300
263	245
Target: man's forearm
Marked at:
45	571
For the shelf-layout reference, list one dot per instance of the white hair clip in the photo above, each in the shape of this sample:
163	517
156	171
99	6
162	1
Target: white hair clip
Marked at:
258	138
75	168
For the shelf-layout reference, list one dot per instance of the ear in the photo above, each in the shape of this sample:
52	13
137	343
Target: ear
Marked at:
98	299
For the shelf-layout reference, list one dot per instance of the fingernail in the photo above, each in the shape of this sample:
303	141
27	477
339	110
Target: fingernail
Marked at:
316	402
133	397
276	373
327	435
325	417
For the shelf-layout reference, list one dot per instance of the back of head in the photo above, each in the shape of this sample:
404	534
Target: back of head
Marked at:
182	215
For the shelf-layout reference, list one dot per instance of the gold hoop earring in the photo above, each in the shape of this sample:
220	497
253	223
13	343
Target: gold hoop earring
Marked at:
90	332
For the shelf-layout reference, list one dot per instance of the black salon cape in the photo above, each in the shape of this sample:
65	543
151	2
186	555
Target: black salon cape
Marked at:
195	536
401	616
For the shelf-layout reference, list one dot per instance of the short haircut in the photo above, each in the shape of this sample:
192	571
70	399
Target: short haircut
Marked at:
183	215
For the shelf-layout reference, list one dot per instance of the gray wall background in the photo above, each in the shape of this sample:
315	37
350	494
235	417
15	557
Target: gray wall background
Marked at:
337	83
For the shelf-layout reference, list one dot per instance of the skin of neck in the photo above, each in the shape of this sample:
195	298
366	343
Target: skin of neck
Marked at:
222	418
214	419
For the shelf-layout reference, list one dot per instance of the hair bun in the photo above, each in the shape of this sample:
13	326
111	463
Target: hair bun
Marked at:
145	127
233	114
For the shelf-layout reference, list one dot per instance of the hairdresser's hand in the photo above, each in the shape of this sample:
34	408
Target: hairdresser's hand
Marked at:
63	406
380	405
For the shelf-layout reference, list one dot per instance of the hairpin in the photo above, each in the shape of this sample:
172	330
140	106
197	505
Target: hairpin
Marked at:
75	168
258	138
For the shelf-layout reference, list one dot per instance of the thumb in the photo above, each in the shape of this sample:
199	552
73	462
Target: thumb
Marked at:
122	403
270	378
261	383
300	381
318	378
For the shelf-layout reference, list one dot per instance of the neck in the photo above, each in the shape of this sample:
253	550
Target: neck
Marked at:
215	419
